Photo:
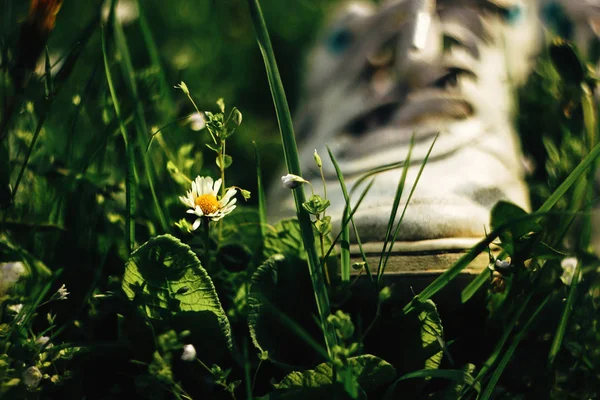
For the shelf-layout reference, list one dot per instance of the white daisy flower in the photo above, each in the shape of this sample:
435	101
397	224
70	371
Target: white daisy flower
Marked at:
203	200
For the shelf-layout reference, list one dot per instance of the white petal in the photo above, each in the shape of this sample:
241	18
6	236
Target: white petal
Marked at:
196	224
216	187
228	209
199	185
198	211
192	211
230	193
186	201
208	184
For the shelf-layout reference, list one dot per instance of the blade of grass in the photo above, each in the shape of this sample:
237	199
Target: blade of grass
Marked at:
474	285
412	191
441	281
138	113
130	183
449	374
293	165
394	211
487	394
262	204
564	319
571	179
345	229
348	217
345	247
347	221
167	103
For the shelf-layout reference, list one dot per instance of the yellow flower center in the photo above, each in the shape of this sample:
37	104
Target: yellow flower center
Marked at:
207	203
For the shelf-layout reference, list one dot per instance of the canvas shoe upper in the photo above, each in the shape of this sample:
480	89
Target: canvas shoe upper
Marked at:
378	76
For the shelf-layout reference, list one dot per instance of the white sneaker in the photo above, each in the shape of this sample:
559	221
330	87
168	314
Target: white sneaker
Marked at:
380	75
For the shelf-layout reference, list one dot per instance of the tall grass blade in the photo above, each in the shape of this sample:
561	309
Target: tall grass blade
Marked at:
167	103
138	114
571	179
487	394
293	165
130	183
394	211
505	335
441	281
564	319
412	191
345	229
474	285
262	203
348	218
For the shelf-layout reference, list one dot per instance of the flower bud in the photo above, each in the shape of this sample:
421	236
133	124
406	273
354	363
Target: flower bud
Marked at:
183	87
318	159
291	181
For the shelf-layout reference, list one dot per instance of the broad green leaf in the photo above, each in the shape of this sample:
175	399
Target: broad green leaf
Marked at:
281	290
227	161
371	372
504	213
432	333
286	239
166	278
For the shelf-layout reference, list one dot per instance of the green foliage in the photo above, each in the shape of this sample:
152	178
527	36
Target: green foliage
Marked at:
165	278
369	373
432	333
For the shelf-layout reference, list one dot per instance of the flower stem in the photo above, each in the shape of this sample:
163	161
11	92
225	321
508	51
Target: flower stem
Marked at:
206	228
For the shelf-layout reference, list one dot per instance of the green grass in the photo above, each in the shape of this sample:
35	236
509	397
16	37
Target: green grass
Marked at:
87	189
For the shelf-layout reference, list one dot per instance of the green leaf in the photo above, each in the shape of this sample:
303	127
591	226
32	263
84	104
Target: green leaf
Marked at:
227	161
286	239
432	332
371	372
281	291
214	147
504	213
166	278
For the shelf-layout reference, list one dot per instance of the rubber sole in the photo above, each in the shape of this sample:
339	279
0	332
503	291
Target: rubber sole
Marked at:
424	258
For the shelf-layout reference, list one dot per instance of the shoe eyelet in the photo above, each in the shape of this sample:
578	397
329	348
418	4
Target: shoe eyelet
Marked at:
339	41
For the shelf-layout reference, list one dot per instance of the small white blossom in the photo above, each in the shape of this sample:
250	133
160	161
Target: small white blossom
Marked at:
291	181
189	353
16	308
11	272
42	340
568	265
202	200
61	293
197	121
32	377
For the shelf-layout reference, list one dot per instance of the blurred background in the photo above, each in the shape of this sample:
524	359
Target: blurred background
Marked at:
209	44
